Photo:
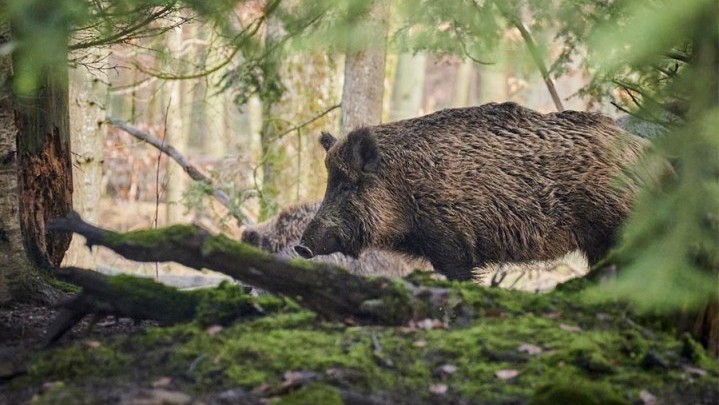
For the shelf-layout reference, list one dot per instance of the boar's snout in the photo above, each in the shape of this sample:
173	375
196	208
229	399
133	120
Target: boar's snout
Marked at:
319	240
304	251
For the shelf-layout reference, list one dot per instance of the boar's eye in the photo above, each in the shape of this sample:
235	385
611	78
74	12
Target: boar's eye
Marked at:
346	187
339	183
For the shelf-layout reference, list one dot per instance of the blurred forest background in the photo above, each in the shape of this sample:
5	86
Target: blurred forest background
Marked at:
242	90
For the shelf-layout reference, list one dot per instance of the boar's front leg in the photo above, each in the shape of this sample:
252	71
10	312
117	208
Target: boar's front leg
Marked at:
454	265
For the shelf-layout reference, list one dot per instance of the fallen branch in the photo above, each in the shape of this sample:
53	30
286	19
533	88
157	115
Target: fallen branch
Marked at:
134	298
189	168
140	299
327	290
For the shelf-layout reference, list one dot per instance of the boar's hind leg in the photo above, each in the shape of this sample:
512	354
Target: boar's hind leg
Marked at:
596	244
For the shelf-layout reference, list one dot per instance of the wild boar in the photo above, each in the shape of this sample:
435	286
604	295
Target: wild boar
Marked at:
469	186
280	234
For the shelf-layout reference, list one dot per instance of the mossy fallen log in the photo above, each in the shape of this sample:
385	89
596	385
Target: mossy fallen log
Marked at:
327	290
144	299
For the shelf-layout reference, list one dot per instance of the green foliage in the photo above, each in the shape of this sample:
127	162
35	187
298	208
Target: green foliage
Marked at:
669	252
466	28
40	31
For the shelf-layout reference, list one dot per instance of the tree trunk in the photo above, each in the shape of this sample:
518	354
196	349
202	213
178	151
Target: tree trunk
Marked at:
35	182
364	77
493	81
463	84
176	135
408	86
271	148
88	100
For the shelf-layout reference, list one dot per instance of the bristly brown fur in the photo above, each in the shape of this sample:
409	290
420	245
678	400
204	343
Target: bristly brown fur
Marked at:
463	187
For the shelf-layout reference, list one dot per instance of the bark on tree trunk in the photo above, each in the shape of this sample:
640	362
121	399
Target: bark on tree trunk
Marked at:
364	77
463	84
88	101
176	135
493	81
35	182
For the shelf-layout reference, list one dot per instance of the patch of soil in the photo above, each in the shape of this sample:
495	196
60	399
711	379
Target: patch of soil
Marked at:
22	330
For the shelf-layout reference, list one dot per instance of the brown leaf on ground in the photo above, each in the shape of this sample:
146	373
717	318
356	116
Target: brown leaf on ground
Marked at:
507	374
214	330
261	389
420	343
695	370
445	370
647	398
553	315
158	397
294	380
530	349
162	382
570	328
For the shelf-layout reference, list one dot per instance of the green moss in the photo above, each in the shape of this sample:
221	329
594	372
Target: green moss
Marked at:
61	285
576	392
224	304
303	264
395	306
60	394
177	305
694	352
78	361
591	353
223	244
314	394
151	238
635	345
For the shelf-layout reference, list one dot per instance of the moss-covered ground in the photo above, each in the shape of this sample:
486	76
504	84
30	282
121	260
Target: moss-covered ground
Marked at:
500	347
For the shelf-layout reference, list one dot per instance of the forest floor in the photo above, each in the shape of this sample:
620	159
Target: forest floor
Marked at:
497	347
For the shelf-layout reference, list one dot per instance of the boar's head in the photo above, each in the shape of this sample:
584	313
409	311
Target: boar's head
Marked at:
360	208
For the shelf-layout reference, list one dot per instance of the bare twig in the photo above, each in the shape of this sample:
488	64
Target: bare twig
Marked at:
190	169
311	120
157	180
465	51
532	47
126	33
249	31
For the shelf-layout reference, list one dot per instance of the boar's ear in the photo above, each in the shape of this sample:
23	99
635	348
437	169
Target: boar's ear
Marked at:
364	156
251	237
327	140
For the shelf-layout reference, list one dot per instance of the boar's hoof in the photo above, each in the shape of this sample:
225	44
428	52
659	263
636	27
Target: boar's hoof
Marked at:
304	251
